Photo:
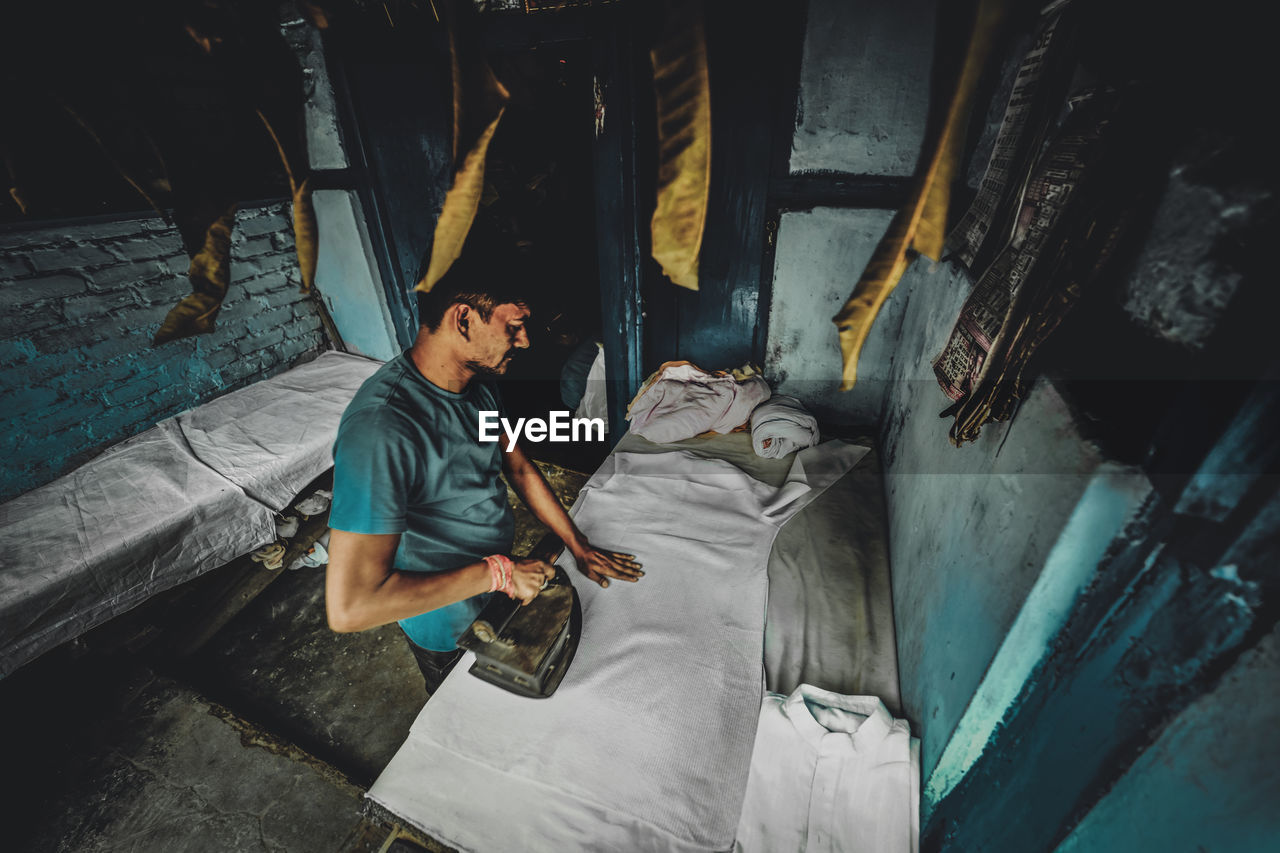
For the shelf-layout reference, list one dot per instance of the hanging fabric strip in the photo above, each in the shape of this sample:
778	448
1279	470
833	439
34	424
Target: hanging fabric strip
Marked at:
1038	90
210	274
682	88
306	231
921	223
1057	248
270	84
16	190
479	101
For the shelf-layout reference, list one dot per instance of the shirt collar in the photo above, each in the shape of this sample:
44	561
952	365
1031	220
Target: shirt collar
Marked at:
865	718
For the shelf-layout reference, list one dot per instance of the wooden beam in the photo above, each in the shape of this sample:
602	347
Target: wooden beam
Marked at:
335	179
805	192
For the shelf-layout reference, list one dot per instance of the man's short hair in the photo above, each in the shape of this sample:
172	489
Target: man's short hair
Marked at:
482	280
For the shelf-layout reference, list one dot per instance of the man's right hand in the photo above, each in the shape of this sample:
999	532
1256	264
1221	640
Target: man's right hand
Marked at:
528	577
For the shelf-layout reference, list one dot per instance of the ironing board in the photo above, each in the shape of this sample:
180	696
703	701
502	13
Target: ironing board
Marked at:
647	743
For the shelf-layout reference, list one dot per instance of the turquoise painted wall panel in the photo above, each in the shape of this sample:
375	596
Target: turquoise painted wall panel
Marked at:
1209	782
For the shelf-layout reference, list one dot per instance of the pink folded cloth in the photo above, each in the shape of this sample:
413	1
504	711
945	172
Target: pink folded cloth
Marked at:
681	400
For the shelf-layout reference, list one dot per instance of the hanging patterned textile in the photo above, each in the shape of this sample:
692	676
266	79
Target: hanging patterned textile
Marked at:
479	101
921	223
1078	204
683	92
1038	93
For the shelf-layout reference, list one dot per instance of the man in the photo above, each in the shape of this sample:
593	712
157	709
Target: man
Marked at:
418	505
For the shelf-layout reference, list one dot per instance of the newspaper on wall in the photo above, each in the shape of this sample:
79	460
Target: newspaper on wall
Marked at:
1022	295
1038	91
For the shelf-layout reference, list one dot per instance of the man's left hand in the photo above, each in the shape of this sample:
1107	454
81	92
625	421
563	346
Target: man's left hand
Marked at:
599	565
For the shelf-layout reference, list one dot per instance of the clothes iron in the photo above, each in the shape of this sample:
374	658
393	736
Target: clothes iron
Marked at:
527	649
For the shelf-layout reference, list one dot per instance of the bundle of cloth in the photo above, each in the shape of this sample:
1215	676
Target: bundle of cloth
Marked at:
782	425
681	400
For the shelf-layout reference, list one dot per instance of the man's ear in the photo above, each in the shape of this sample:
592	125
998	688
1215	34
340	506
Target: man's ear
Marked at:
462	319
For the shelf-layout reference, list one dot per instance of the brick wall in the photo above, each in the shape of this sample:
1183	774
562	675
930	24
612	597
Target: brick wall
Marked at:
78	308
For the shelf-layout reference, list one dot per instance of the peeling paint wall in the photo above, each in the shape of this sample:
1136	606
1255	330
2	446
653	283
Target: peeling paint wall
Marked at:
79	306
817	250
1191	264
864	87
325	149
861	108
1204	784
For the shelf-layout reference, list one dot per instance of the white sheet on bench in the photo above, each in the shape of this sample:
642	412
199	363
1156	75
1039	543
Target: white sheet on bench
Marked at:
141	517
275	436
647	743
165	506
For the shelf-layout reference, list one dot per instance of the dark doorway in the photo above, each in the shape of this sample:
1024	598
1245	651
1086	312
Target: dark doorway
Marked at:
540	197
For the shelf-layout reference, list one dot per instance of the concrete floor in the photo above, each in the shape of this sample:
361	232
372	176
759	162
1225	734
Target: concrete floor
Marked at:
264	740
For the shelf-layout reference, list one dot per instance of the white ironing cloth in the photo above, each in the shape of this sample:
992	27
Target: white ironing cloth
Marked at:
647	743
275	436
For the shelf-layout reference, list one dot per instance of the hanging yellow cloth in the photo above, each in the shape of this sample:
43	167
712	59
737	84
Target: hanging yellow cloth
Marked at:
479	100
306	231
682	88
207	221
921	224
210	274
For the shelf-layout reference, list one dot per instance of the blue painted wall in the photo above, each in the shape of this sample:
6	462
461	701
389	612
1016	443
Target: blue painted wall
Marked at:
970	528
1209	783
346	276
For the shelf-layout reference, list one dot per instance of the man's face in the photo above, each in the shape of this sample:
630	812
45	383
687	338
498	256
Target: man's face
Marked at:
494	343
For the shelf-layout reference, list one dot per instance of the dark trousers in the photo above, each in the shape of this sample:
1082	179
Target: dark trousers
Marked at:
434	665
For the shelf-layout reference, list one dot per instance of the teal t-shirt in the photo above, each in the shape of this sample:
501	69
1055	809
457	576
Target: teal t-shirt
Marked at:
408	460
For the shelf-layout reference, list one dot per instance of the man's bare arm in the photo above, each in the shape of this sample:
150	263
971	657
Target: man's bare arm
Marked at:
596	563
363	589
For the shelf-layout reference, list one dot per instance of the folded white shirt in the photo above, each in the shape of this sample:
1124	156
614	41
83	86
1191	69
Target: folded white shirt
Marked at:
831	772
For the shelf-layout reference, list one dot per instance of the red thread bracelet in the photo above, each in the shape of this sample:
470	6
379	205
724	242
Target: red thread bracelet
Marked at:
501	571
495	574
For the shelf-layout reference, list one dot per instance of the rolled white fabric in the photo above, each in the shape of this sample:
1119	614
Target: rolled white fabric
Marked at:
781	425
